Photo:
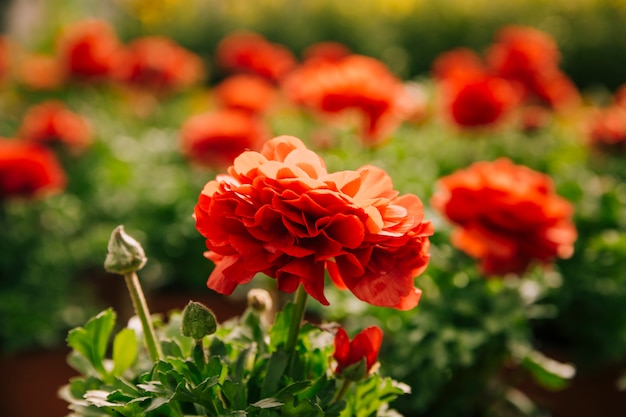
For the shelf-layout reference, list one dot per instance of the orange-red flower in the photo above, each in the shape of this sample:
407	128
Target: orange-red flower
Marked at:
246	92
479	102
356	83
41	72
531	57
157	63
505	215
363	348
28	170
326	51
281	213
51	121
215	138
606	128
458	64
251	53
89	49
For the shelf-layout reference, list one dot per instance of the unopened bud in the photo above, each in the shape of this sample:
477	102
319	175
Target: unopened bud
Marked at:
259	300
198	321
125	254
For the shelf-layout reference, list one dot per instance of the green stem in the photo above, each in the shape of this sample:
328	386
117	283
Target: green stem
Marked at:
141	309
342	391
296	319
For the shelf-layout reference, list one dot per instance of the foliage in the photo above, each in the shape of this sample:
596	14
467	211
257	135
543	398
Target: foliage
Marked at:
243	371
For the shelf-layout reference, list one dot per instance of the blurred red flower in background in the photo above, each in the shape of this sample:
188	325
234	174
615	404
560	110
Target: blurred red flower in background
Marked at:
458	64
507	216
28	170
89	50
159	64
605	128
40	72
364	348
215	138
5	58
250	52
479	102
281	213
246	92
531	57
326	51
358	83
51	122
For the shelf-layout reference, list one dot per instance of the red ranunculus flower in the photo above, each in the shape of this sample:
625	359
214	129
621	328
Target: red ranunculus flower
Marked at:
51	121
531	57
365	346
159	64
215	138
356	83
28	170
606	129
246	92
459	63
479	102
251	53
326	51
89	49
281	213
506	215
40	72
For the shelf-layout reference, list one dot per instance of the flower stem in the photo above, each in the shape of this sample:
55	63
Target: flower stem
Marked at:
141	309
345	386
296	319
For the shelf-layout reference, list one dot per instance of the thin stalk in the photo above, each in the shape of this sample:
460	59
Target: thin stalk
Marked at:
345	386
296	319
141	309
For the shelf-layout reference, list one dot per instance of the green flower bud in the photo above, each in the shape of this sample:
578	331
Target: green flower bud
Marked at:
198	321
125	254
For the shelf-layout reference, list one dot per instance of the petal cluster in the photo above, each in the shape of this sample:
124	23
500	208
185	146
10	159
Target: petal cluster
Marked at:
506	216
364	347
281	213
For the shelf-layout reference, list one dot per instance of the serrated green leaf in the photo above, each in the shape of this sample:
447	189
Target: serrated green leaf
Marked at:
125	347
92	340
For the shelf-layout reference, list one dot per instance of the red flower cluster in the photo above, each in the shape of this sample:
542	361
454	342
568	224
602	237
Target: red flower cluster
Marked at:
51	121
281	213
28	170
89	50
363	348
246	92
506	215
354	82
250	52
520	68
159	64
215	138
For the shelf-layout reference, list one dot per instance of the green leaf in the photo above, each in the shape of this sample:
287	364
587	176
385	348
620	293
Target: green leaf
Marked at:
275	369
92	340
125	347
267	403
547	372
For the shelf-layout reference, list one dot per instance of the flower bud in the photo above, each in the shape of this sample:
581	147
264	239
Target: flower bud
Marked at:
125	254
259	300
198	321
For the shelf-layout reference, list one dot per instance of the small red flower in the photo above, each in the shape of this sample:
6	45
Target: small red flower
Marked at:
159	64
458	64
40	72
246	92
89	49
51	121
507	216
281	213
364	347
251	53
215	138
28	170
326	51
606	129
354	83
479	102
